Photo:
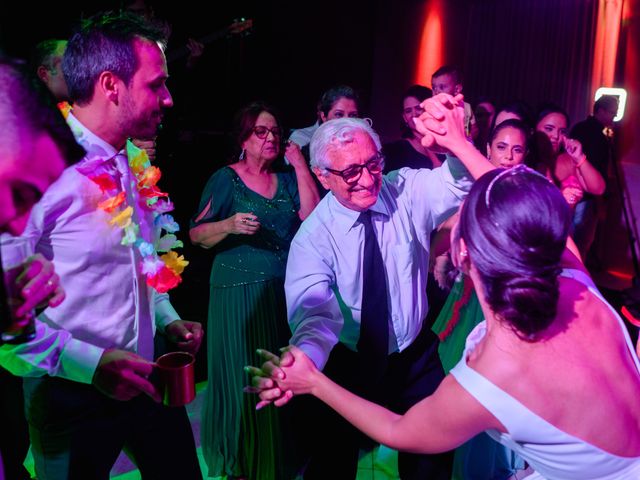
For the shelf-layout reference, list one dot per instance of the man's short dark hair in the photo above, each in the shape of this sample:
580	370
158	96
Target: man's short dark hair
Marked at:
606	102
104	42
27	106
455	72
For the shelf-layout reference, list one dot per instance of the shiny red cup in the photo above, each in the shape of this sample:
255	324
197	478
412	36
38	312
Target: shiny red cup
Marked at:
176	374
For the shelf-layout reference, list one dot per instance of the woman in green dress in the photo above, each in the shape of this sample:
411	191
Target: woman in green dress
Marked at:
248	214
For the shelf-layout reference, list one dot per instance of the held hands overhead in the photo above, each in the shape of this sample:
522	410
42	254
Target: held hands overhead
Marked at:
442	122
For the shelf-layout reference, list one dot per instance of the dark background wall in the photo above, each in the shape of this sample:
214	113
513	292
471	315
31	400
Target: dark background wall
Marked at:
530	49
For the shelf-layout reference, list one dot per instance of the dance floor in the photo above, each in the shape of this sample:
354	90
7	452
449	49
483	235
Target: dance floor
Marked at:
379	464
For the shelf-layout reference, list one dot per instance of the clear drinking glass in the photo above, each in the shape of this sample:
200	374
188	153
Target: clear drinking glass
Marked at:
14	252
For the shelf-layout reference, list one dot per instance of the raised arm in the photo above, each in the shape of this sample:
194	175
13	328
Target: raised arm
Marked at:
442	123
307	188
590	178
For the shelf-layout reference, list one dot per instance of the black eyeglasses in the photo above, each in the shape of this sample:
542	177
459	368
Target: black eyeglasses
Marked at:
262	131
352	174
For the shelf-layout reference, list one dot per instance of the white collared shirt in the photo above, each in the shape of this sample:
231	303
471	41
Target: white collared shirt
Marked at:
108	303
302	136
324	270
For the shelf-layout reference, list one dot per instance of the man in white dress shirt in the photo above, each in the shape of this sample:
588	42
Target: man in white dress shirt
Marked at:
325	284
91	396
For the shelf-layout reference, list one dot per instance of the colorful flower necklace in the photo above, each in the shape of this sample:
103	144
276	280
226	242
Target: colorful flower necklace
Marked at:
162	272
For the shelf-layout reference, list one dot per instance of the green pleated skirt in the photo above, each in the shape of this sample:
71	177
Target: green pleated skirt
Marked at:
237	440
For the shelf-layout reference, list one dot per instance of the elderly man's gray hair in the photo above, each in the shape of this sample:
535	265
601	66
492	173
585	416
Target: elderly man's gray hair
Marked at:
337	132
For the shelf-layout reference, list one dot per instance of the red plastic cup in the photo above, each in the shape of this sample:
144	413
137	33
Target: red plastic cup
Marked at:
176	374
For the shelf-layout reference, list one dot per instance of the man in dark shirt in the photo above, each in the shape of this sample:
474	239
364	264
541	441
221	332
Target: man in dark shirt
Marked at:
595	145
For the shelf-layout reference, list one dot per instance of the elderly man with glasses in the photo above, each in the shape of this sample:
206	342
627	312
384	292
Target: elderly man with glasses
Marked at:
355	285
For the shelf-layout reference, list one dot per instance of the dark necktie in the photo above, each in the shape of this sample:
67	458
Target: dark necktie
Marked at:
374	327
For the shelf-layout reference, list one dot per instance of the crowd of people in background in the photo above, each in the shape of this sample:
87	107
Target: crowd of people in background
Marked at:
429	291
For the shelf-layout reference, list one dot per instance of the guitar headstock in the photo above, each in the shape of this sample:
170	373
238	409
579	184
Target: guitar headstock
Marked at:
240	26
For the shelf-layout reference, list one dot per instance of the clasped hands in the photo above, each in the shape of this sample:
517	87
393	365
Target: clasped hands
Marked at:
281	377
442	123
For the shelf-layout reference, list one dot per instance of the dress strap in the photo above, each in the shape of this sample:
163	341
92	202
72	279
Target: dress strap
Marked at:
515	417
582	277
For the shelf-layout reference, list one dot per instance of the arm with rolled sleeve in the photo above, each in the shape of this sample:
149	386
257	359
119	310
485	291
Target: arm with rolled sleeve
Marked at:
314	313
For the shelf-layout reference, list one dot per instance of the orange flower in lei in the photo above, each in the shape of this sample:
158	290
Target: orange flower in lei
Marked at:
64	108
162	272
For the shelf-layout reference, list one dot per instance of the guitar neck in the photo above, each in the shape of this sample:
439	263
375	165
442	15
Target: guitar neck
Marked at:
235	28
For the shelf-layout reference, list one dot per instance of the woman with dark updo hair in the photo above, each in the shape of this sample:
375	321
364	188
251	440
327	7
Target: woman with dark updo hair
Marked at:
480	457
551	372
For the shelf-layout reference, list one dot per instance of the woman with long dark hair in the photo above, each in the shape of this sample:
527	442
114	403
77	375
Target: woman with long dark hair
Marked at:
561	159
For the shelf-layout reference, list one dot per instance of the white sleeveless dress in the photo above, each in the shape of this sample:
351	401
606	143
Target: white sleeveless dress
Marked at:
552	453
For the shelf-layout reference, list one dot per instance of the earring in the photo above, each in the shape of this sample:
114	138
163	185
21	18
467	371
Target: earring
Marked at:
241	156
464	254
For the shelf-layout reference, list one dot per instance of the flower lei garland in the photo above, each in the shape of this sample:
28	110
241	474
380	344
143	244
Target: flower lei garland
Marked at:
162	272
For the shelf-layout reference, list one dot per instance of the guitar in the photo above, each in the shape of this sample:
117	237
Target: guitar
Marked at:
240	26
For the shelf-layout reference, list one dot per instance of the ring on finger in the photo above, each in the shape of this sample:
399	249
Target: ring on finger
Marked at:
49	283
244	220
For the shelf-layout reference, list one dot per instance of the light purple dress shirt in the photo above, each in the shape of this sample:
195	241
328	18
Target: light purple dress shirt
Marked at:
108	303
323	283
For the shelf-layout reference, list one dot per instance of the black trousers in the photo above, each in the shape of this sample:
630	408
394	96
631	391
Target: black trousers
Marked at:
332	444
14	433
78	433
